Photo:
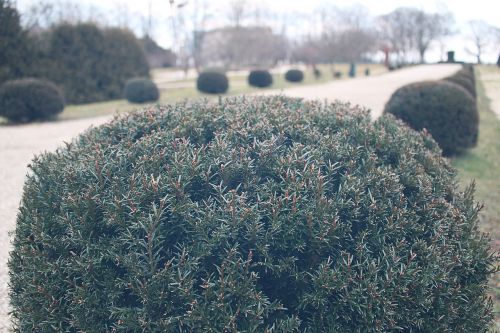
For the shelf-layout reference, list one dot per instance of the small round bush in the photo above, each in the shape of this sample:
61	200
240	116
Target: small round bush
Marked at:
446	110
294	75
30	99
337	75
352	70
317	73
465	79
212	82
141	90
260	78
248	215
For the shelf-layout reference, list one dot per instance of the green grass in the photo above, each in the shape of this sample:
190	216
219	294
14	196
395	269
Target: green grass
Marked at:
238	85
482	165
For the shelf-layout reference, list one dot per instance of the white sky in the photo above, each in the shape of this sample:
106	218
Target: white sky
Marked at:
462	11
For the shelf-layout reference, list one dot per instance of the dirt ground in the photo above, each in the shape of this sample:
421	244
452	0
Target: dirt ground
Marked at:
18	144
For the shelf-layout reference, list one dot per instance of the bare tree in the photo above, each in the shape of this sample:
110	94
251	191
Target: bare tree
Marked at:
430	28
237	12
409	30
481	35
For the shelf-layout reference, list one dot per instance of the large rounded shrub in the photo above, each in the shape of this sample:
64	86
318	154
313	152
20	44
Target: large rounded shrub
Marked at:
446	110
212	82
260	78
26	100
248	215
294	75
465	79
141	90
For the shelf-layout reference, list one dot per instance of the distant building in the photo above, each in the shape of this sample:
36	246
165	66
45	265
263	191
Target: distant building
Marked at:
156	55
239	47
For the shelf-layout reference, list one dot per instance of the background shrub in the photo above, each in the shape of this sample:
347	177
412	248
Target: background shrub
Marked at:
465	78
367	72
316	73
26	100
294	75
212	82
141	90
446	110
352	70
252	215
14	44
337	74
90	64
260	78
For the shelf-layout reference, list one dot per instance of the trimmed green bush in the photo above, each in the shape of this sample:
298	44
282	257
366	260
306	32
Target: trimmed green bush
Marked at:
248	215
465	78
212	82
352	70
27	100
337	74
141	90
260	78
446	110
294	75
317	73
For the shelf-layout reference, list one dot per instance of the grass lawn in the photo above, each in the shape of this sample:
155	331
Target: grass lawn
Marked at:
482	164
237	85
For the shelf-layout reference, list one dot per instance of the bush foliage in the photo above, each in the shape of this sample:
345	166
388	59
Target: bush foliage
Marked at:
446	110
26	100
212	82
250	215
141	90
14	43
294	75
90	64
317	73
466	79
260	78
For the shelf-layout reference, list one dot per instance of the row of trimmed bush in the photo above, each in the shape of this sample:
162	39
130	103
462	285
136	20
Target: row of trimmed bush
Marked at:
214	82
446	109
31	99
268	214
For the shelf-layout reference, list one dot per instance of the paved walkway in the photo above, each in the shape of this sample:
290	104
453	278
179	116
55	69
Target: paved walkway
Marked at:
18	144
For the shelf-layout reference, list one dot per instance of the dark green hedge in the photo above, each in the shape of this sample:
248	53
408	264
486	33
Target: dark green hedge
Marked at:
465	78
89	63
14	44
248	215
294	75
27	100
446	110
260	78
141	90
212	82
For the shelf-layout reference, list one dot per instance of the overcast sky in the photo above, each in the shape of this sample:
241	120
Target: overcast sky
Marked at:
462	11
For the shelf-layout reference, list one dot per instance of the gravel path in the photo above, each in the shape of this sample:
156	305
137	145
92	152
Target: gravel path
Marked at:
18	144
372	92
